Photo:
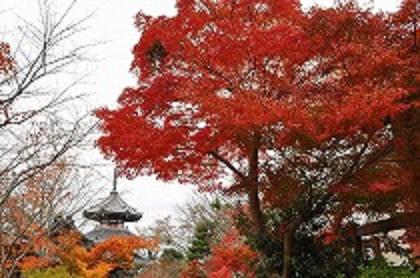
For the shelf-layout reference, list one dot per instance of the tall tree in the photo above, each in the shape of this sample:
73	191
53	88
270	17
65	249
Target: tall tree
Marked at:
291	109
41	135
38	125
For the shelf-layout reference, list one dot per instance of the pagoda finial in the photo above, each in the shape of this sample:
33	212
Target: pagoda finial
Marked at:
114	185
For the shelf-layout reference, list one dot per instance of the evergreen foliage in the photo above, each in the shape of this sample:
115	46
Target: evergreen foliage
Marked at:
200	245
384	270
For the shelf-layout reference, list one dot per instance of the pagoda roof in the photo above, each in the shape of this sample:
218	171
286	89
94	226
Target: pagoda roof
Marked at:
112	208
100	234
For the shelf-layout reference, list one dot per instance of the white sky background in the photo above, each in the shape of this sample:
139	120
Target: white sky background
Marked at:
112	23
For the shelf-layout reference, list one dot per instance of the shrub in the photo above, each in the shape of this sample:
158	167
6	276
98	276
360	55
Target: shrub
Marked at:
51	272
384	270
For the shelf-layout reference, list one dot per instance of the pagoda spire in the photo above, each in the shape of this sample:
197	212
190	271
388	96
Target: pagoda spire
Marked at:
114	184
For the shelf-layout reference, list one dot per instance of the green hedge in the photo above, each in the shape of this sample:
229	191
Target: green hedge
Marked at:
53	272
383	270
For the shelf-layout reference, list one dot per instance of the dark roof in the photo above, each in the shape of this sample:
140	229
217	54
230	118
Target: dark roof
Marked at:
112	208
100	234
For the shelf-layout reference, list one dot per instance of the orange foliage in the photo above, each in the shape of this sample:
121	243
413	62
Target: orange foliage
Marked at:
110	254
194	269
26	216
34	262
97	262
230	257
49	251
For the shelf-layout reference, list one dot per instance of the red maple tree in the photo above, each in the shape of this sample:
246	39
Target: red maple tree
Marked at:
279	102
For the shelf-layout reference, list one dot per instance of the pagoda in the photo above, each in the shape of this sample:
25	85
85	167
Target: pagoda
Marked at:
112	213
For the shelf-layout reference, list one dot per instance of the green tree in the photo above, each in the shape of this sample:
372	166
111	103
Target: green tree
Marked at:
200	245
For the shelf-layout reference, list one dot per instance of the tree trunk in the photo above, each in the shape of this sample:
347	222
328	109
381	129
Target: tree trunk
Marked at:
287	254
288	248
255	209
253	190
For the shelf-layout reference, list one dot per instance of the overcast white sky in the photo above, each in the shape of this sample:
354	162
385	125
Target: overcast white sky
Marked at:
113	23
